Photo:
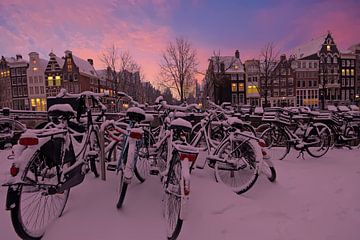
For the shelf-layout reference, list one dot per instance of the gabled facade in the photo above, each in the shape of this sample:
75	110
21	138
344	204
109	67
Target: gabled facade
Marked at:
282	86
79	74
54	75
252	69
36	82
329	81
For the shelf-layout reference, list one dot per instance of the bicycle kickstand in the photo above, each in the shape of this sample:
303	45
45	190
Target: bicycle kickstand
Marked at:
301	153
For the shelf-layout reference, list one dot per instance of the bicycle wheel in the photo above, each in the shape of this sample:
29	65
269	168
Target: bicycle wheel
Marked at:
172	201
240	171
269	170
142	166
94	149
352	132
37	205
277	142
123	184
318	140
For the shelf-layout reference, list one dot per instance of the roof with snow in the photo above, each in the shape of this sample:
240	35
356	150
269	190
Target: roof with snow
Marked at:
232	64
310	48
84	66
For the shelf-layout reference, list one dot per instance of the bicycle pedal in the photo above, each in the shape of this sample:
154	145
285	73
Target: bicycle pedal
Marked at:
111	167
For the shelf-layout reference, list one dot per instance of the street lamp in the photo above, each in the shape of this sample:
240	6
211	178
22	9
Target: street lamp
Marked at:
323	70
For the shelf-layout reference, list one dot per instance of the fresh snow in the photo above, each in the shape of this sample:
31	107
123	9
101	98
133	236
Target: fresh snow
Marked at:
312	199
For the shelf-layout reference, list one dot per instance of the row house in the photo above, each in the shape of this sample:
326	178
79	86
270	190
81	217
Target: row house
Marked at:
225	80
18	67
36	82
54	75
252	70
355	49
79	75
5	84
307	81
282	84
347	76
329	81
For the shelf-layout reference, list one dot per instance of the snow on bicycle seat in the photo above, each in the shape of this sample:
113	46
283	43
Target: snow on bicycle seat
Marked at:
64	110
181	124
136	114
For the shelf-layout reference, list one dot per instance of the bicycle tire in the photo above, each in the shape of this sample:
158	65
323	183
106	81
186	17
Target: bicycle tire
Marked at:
277	142
94	145
142	166
35	200
123	184
242	177
322	133
172	200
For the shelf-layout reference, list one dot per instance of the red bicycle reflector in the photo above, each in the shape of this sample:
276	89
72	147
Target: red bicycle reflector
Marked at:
14	170
135	135
28	141
190	156
262	143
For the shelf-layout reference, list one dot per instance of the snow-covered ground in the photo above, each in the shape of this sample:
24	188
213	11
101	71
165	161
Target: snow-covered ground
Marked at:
312	199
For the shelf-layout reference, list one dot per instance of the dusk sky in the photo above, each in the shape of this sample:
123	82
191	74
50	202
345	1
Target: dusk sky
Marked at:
144	27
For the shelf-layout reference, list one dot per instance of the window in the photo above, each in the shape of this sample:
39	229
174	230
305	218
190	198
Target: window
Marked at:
69	64
233	87
35	79
310	64
298	83
30	79
42	90
335	60
347	72
299	64
352	72
303	83
343	72
328	48
234	98
328	59
31	89
36	90
50	81
304	64
343	63
310	83
241	98
233	76
57	81
315	65
241	87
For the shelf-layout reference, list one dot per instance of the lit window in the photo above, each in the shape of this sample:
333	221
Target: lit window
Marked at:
33	102
236	66
57	81
233	87
241	87
35	69
328	47
352	72
343	72
347	72
50	81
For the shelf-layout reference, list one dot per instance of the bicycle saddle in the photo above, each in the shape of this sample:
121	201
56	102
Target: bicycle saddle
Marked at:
181	124
136	114
63	110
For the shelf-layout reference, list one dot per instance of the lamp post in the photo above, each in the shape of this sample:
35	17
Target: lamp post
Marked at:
323	70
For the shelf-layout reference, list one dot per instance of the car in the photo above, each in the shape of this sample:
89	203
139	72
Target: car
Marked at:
10	132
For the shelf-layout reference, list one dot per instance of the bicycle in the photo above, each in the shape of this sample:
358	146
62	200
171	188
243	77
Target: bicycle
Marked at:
46	167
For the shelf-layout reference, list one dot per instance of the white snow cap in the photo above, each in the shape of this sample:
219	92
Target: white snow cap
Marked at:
343	108
332	108
61	107
181	123
136	110
159	99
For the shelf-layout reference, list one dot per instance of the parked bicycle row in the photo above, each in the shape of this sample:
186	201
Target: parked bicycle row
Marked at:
167	143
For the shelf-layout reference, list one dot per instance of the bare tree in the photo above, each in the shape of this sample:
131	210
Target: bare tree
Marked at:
110	58
178	66
267	64
120	63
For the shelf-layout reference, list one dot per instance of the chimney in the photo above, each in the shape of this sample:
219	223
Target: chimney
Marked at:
91	61
237	54
282	57
68	53
18	57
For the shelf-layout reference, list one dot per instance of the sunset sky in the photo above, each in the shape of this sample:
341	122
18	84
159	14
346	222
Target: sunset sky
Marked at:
144	27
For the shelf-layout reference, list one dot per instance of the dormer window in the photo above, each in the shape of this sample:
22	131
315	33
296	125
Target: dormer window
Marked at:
328	48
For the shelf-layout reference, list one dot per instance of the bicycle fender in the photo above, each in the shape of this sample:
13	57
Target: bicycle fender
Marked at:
12	197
